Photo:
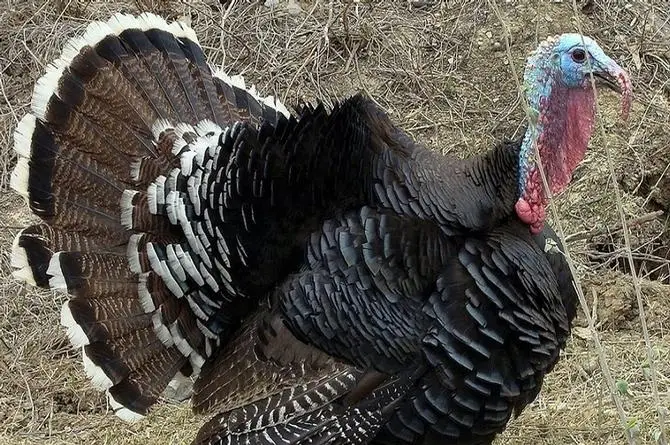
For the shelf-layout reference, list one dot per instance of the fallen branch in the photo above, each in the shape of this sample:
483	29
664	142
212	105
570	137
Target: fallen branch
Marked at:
603	230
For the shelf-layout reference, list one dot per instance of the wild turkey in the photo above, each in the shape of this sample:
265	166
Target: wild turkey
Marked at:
319	276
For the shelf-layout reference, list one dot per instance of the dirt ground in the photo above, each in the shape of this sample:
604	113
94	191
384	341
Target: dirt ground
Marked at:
442	70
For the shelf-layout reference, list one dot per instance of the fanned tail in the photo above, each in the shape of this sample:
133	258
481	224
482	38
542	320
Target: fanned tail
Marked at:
111	122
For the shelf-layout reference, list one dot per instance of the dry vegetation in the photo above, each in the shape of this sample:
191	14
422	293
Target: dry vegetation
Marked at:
441	70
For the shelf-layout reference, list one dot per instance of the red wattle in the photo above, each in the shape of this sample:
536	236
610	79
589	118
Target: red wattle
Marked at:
524	211
532	214
566	121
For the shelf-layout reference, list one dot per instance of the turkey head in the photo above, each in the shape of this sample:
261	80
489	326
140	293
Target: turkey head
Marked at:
562	108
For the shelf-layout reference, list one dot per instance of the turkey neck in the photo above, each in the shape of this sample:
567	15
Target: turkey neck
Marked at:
476	193
461	195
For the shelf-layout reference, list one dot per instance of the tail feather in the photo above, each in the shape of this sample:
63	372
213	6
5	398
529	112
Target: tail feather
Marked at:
112	123
44	178
145	169
143	386
103	316
202	74
164	72
108	131
136	214
233	92
99	83
121	42
35	245
155	296
117	358
103	320
31	254
175	57
92	275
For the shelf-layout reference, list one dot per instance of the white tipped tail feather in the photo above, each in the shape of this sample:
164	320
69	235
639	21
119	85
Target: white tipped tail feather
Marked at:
98	377
19	178
133	255
123	412
57	280
238	81
23	135
74	332
19	261
95	32
127	208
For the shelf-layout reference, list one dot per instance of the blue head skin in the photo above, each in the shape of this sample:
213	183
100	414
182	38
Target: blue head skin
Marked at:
557	84
573	51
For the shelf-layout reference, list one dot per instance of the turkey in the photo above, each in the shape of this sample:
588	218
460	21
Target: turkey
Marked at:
309	277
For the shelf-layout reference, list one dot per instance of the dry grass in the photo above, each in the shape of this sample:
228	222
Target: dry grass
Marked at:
441	70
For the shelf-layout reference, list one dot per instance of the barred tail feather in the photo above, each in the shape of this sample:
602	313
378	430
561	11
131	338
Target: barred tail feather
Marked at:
269	419
318	412
114	119
270	388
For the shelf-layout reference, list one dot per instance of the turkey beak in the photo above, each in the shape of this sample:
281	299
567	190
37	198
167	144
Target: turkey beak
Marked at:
606	79
611	75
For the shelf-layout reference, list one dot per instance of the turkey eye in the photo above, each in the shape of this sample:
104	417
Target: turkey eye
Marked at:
579	55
